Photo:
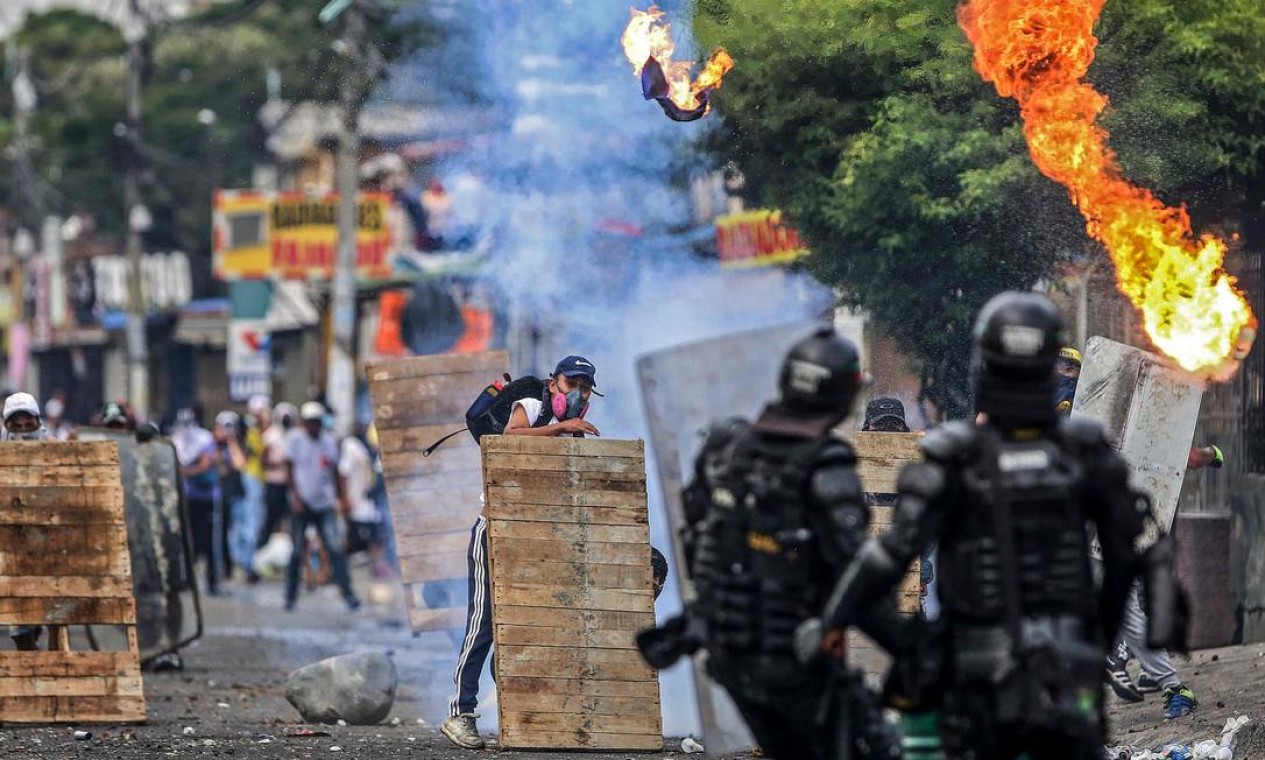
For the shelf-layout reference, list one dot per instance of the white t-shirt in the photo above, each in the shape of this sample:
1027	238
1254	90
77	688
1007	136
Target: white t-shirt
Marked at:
356	466
531	407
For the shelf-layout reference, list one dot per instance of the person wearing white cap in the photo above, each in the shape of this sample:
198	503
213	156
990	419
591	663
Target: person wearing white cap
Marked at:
22	423
22	420
317	497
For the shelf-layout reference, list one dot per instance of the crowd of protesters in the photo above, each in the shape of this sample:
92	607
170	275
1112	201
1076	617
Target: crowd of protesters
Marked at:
269	493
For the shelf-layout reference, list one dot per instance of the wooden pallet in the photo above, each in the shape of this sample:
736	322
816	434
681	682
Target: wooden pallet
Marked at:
880	457
64	561
571	586
434	500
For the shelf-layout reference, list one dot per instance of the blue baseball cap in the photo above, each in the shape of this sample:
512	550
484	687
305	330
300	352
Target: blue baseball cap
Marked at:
577	366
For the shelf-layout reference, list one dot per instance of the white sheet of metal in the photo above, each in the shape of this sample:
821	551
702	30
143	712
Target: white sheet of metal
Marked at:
1149	409
684	390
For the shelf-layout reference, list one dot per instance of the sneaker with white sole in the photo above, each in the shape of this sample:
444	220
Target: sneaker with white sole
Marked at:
1146	684
463	731
1117	676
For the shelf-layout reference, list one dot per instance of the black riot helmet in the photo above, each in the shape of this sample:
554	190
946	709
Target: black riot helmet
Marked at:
820	378
1017	342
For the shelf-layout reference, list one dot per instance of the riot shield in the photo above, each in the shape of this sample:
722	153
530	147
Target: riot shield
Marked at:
168	610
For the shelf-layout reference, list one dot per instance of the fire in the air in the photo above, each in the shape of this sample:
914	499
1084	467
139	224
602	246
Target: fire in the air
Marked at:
647	41
1038	52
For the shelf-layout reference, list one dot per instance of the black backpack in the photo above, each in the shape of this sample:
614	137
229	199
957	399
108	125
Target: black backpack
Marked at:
491	410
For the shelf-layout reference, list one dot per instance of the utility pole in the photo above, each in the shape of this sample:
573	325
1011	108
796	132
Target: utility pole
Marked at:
340	376
137	219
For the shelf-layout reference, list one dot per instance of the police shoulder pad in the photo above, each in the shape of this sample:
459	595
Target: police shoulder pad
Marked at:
949	442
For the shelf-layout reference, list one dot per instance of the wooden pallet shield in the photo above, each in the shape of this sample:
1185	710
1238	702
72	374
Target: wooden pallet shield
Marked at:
168	608
435	500
64	561
572	585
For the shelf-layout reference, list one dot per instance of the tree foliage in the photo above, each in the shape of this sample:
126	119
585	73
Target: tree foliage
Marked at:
909	177
214	64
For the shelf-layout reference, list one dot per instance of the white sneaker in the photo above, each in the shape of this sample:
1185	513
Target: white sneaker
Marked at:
463	731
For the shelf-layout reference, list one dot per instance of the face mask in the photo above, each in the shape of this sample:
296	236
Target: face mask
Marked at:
569	406
33	435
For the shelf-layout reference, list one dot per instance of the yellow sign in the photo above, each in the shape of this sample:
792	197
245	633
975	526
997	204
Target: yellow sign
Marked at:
757	238
293	236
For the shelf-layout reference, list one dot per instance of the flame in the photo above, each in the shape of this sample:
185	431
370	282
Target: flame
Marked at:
646	37
1038	52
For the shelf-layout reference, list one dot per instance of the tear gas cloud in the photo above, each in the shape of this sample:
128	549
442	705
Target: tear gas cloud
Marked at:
587	207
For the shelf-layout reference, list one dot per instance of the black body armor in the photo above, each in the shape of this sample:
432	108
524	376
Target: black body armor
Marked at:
760	560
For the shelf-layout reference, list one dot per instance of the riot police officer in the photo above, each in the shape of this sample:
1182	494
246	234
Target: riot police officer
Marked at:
775	512
1009	500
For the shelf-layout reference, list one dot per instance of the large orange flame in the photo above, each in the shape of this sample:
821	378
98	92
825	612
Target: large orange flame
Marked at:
1038	52
646	37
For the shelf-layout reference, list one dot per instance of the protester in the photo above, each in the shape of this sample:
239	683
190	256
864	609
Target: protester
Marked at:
364	529
115	417
276	497
55	419
317	497
22	422
196	450
568	391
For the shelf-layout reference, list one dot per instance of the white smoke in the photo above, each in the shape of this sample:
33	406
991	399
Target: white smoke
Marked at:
589	217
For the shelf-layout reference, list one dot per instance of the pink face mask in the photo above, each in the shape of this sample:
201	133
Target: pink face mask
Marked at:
568	406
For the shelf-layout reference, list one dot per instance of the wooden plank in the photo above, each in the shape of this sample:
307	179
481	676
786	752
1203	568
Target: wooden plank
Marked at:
563	551
112	709
566	532
59	454
506	496
601	671
576	447
578	464
452	479
495	362
63	586
641	722
33	475
568	482
64	549
880	457
570	656
527	595
516	615
585	740
426	544
531	635
446	618
412	463
406	389
563	703
78	686
580	515
67	611
68	664
421	437
548	685
423	410
585	575
416	523
433	567
63	497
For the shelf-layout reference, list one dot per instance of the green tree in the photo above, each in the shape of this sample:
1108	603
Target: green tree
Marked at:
909	177
203	91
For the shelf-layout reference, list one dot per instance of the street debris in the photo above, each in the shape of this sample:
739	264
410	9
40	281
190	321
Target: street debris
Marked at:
83	736
1206	749
188	730
306	733
357	688
690	747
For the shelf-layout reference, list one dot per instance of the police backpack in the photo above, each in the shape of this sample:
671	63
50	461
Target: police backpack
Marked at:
491	410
